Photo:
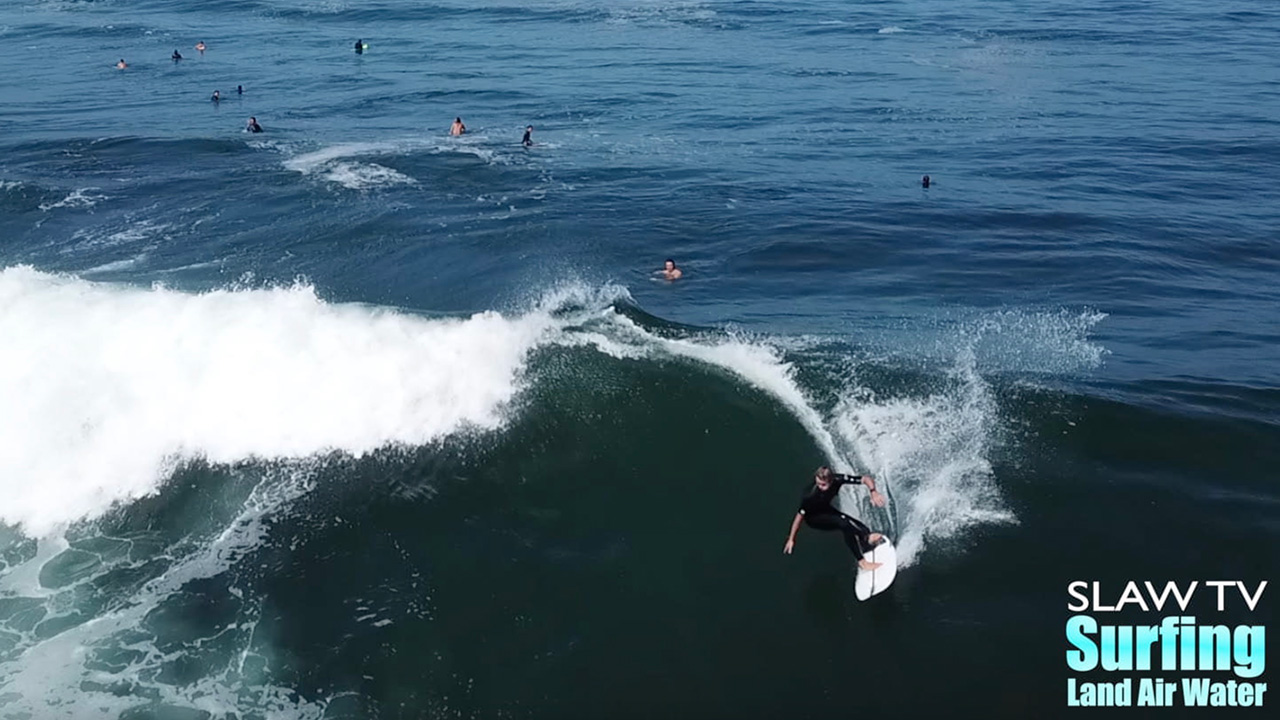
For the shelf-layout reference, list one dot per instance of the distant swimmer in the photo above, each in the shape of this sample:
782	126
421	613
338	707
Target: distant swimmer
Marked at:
527	141
239	89
457	128
817	512
122	64
177	56
253	126
359	47
217	96
200	47
669	270
924	181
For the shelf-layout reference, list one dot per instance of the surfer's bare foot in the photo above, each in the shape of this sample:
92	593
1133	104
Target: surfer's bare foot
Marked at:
868	565
875	538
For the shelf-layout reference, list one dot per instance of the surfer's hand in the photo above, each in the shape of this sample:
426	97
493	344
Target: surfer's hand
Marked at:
877	499
786	549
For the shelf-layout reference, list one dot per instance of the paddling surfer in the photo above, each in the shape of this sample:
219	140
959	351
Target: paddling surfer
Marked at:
817	512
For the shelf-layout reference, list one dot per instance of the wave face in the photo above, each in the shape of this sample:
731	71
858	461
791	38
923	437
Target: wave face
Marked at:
209	437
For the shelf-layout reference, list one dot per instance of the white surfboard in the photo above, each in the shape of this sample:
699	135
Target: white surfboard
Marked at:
874	582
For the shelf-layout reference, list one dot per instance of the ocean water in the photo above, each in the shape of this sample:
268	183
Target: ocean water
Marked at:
353	419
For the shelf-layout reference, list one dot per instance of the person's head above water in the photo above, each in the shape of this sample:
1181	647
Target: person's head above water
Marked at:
822	477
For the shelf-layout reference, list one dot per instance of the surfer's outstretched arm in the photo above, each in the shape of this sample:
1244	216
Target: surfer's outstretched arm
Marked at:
877	498
791	539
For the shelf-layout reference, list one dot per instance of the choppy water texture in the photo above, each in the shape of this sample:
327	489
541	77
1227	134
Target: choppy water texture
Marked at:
353	419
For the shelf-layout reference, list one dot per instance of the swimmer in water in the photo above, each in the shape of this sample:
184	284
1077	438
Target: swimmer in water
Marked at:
924	181
217	96
669	270
527	140
359	47
200	47
122	64
253	126
176	56
457	128
239	89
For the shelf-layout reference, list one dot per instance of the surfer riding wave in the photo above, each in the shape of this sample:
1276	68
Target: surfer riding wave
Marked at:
817	511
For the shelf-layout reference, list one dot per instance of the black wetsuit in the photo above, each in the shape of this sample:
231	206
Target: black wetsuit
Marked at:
820	514
359	47
254	128
527	141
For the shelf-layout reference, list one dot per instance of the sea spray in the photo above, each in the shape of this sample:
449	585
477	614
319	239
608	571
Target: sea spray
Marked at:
933	453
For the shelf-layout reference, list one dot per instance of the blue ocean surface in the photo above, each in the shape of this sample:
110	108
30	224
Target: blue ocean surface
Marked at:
353	418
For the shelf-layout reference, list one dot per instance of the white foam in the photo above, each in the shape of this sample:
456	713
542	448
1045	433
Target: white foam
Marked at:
891	30
362	176
53	677
308	163
103	387
335	162
82	198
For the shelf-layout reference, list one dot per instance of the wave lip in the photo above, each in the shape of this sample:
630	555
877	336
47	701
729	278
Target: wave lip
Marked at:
105	388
